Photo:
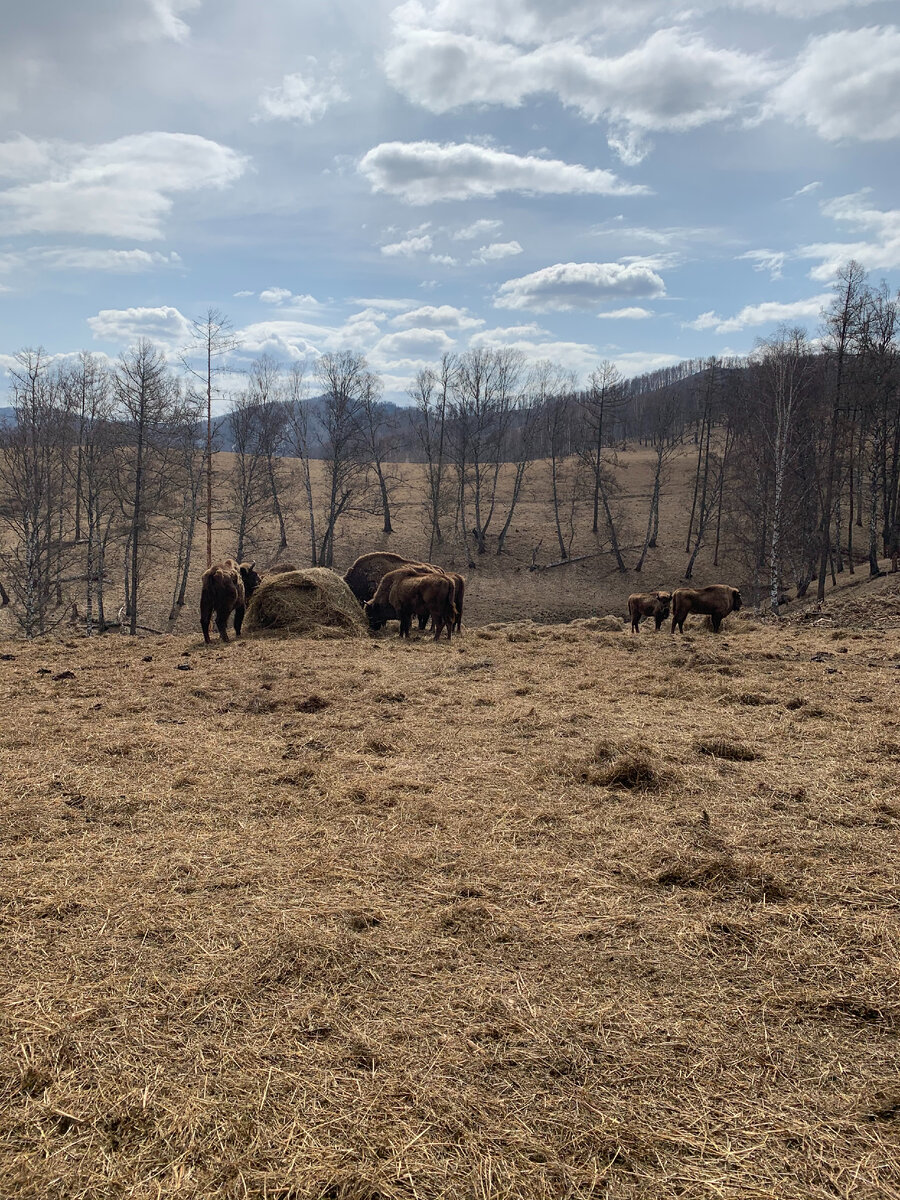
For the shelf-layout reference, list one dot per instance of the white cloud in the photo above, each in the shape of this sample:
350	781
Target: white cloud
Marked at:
305	96
165	326
806	189
413	345
482	228
442	316
846	85
537	344
244	292
495	251
769	312
579	285
640	362
766	260
443	260
878	250
119	189
408	248
427	172
275	295
294	341
672	81
633	313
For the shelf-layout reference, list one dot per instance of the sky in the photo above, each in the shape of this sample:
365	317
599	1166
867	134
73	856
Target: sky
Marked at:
584	181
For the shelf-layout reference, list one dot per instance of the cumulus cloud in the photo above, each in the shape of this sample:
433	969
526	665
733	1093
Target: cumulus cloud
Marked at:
303	96
769	312
567	286
408	247
426	172
633	313
293	341
414	345
538	345
674	80
119	189
845	85
165	326
495	251
877	250
440	316
481	228
275	295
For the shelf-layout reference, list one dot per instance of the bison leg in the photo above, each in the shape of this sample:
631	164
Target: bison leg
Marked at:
238	619
659	621
716	621
222	623
423	621
206	613
405	623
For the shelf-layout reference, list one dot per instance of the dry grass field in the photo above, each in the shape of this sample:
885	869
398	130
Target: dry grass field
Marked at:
547	912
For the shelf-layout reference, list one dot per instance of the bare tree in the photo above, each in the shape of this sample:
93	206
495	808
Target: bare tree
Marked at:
430	394
213	337
842	324
378	433
664	445
31	465
296	404
151	411
344	378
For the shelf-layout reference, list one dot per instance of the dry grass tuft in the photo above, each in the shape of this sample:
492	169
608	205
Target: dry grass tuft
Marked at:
633	772
315	602
721	872
722	748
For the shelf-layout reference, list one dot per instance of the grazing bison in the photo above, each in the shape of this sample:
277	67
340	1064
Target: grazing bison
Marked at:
368	571
425	595
380	608
648	604
225	588
459	597
715	601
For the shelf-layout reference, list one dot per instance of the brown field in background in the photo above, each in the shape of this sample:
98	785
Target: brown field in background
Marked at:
543	913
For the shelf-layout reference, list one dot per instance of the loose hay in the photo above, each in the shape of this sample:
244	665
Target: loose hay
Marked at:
312	603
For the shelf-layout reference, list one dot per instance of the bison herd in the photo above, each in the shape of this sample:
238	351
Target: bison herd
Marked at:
715	602
392	588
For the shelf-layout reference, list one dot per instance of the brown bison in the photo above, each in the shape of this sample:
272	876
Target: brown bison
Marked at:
459	597
380	609
368	571
409	592
224	589
648	604
715	601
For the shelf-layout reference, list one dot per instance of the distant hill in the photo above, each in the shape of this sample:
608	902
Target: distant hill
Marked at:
7	417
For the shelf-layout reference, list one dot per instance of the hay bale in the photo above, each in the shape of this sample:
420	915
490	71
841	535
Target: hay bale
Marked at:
311	603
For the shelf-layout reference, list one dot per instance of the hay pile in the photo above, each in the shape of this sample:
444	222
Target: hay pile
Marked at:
311	603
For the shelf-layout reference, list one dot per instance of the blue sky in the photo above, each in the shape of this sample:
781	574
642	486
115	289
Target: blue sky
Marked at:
582	180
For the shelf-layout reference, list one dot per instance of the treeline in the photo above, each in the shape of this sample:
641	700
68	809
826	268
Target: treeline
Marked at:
106	470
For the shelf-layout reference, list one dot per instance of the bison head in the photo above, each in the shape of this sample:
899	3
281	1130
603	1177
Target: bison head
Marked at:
737	601
664	600
376	614
250	578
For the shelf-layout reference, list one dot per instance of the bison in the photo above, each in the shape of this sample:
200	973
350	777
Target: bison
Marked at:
715	601
648	604
411	592
368	571
459	597
225	588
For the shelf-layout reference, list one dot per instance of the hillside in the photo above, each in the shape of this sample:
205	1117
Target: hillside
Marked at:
546	912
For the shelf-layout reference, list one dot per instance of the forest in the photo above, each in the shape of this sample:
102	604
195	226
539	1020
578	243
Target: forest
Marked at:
115	472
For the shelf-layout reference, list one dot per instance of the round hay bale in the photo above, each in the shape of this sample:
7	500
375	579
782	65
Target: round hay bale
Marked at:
311	603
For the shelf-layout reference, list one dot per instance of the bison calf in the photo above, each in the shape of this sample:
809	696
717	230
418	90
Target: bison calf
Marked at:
225	589
715	602
648	604
409	594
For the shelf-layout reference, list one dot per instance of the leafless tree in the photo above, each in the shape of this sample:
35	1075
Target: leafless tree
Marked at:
299	442
430	394
344	377
213	337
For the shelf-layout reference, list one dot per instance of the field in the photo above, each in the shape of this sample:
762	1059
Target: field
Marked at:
549	912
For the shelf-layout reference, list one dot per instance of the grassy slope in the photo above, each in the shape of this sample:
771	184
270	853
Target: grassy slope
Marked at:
370	920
